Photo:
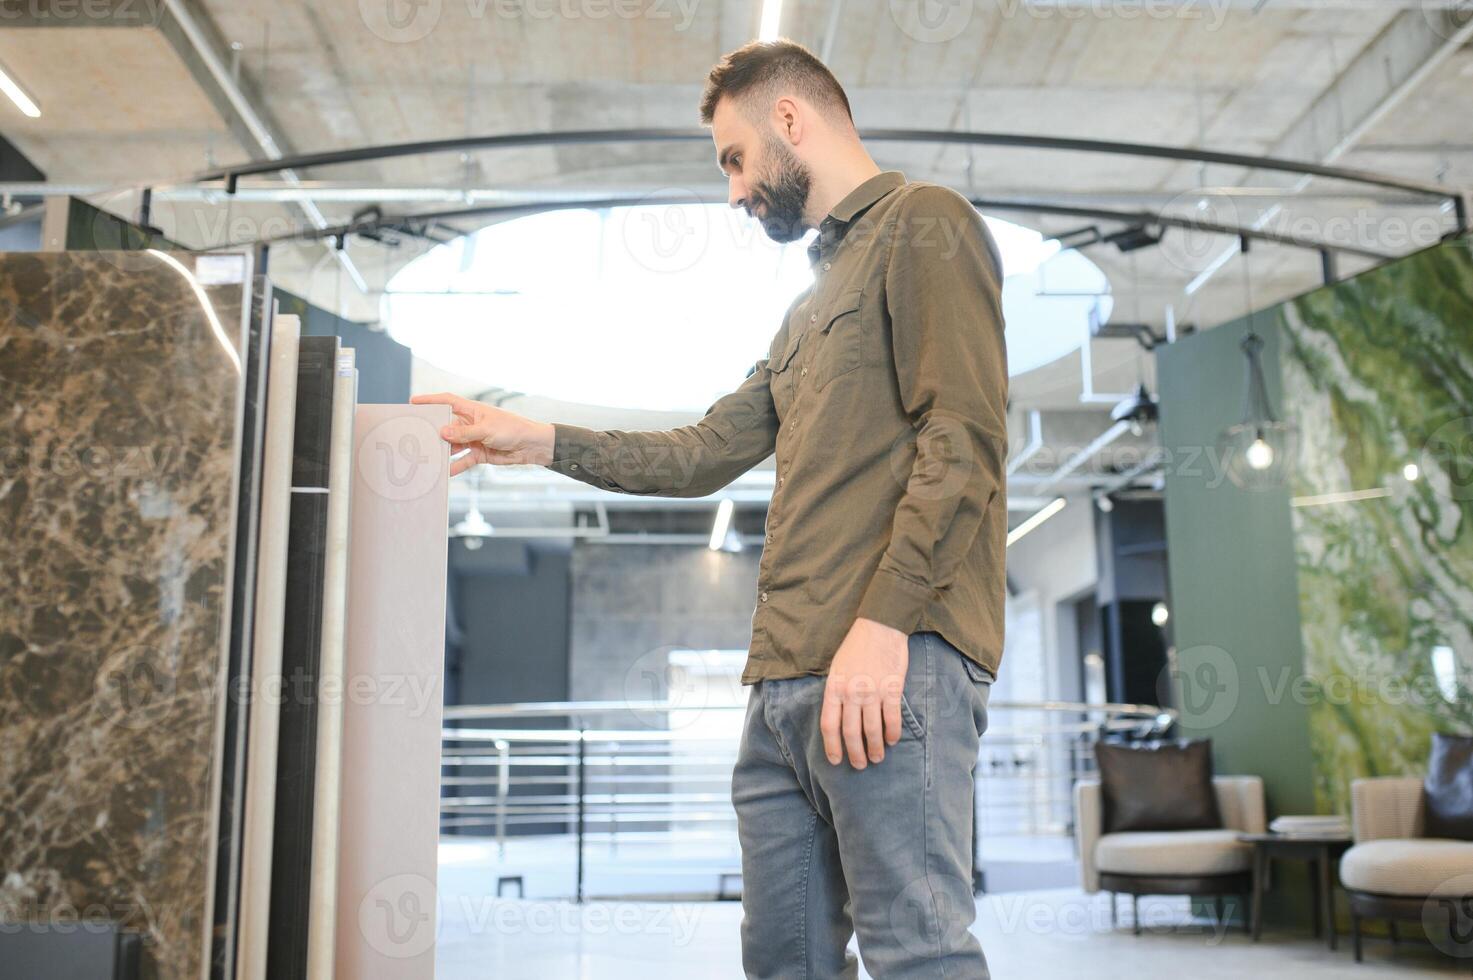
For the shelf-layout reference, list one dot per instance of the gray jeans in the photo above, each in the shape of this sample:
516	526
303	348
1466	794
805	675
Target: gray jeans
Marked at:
884	852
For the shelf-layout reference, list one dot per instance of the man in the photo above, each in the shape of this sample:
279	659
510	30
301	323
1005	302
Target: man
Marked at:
879	617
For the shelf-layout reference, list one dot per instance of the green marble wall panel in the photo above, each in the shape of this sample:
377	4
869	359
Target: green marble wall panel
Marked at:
1378	373
121	408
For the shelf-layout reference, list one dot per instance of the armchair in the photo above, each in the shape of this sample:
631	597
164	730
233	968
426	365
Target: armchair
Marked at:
1170	862
1393	872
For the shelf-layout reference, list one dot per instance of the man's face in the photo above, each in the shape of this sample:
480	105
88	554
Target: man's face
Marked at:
764	177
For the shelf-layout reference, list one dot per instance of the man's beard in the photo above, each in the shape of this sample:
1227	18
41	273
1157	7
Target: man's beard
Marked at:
783	195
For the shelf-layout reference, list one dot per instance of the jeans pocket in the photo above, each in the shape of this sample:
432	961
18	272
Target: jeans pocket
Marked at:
975	670
909	717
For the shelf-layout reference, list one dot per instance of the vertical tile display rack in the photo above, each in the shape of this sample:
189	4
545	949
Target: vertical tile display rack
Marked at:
180	631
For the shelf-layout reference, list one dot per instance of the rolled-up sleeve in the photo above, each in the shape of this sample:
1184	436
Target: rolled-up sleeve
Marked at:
736	433
944	296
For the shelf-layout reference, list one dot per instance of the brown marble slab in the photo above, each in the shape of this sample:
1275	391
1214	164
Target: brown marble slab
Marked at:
121	406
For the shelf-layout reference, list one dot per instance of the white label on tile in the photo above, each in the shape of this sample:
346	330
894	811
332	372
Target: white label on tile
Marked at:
345	363
219	270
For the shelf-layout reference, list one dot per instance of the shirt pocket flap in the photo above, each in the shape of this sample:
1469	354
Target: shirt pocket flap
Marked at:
846	302
779	363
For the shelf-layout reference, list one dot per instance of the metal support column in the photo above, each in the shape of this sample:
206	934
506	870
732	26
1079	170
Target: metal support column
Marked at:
582	758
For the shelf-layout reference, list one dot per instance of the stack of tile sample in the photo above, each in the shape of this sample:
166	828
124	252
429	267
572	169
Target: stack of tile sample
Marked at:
221	626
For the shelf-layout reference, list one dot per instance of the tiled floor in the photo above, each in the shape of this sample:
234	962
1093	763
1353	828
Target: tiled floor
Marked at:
1033	935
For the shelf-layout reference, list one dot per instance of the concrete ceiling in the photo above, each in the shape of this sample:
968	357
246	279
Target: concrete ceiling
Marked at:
129	99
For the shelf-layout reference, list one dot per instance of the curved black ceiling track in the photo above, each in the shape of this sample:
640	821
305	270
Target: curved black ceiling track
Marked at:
1432	192
1135	218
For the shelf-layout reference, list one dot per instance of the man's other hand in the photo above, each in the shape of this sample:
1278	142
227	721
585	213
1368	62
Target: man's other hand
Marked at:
861	702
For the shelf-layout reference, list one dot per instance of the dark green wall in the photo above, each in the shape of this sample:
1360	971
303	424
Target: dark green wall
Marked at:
1234	594
1234	598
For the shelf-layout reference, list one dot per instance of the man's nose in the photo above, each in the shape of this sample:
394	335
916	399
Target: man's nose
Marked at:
736	194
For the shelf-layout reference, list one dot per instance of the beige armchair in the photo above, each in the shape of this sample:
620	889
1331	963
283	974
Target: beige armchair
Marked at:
1393	872
1170	862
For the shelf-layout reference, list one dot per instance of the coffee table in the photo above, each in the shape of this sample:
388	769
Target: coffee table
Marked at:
1323	855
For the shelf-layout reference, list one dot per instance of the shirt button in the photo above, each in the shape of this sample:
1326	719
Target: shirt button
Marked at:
827	266
764	597
573	466
779	481
813	318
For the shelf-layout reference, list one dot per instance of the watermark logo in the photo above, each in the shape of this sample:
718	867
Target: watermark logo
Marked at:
1447	17
1447	917
932	21
401	21
927	917
668	236
1193	247
397	916
134	689
1447	458
937	463
398	459
1203	681
652	677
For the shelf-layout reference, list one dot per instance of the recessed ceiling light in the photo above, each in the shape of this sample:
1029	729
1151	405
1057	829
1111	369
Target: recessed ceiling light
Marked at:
18	95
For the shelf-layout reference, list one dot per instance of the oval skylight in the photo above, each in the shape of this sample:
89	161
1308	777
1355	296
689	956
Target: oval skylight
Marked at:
665	307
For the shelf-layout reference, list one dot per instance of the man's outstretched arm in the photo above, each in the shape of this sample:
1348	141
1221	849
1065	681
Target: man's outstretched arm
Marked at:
737	433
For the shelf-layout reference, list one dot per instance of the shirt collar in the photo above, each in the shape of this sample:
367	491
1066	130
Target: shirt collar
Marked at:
832	228
858	200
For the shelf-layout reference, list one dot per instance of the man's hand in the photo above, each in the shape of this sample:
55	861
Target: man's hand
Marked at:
861	702
493	435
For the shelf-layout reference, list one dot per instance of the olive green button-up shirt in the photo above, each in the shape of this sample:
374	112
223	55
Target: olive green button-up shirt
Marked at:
884	397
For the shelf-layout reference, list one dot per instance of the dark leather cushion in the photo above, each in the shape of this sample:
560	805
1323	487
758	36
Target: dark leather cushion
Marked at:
1448	789
1157	786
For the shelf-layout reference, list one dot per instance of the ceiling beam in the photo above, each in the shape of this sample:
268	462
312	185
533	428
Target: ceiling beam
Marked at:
193	36
1375	82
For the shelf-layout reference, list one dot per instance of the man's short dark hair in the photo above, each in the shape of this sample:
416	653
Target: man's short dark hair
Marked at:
773	68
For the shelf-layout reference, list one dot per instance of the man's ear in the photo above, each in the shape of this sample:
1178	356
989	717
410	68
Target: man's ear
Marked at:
787	115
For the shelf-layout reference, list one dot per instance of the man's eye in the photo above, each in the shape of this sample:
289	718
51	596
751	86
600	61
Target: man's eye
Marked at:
736	163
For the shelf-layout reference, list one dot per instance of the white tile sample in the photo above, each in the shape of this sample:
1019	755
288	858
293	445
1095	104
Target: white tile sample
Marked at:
390	802
321	925
260	796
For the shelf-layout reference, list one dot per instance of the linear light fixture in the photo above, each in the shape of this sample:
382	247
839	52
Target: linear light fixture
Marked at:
722	524
772	15
1047	511
18	95
1344	497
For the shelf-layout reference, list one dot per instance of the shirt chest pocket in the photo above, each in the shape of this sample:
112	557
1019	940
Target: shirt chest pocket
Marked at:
784	368
839	347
